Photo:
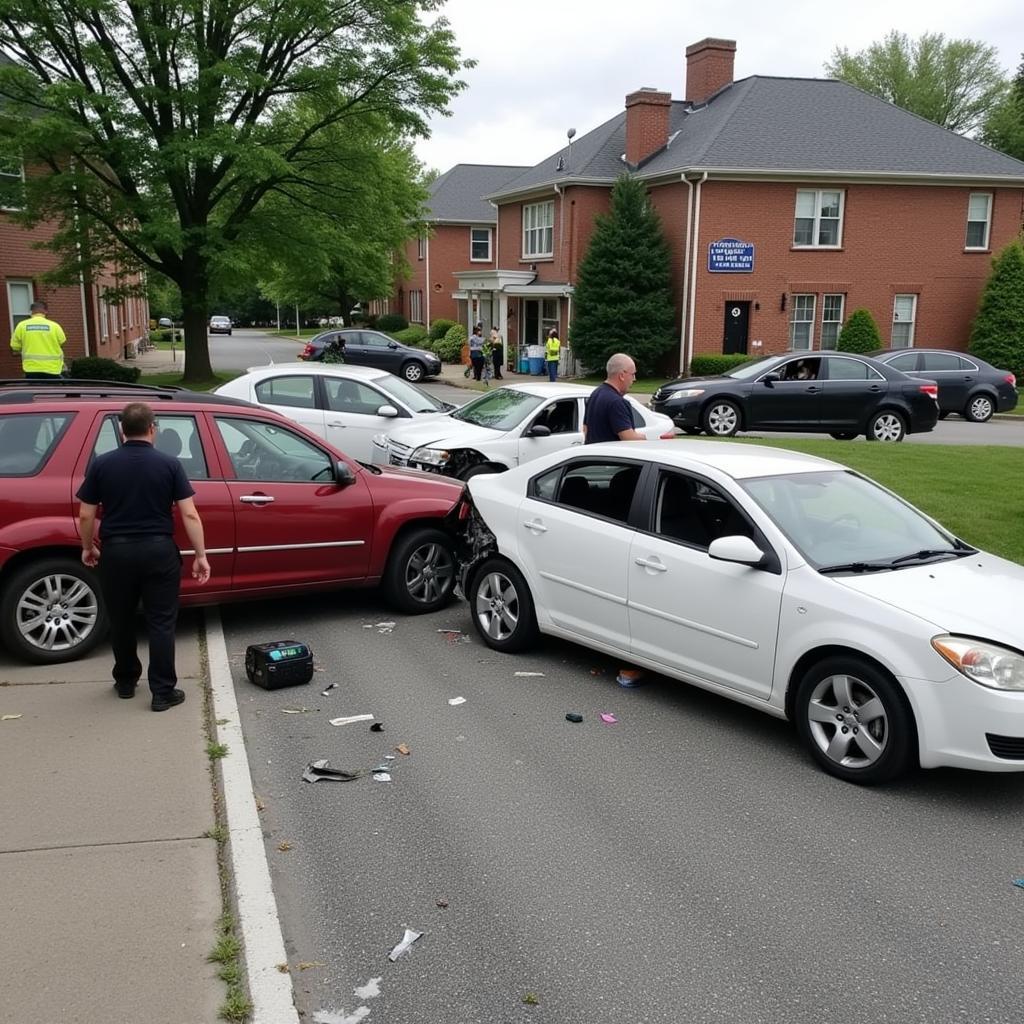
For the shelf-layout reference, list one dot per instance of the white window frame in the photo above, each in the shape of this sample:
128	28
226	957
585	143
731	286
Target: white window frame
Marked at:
104	322
896	320
474	241
421	246
16	176
416	306
19	282
987	196
538	229
838	322
114	327
816	232
794	306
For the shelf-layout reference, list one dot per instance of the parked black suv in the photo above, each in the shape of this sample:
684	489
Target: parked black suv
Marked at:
372	348
835	393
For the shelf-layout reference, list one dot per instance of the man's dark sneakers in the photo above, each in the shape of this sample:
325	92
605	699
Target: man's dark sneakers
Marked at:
168	700
125	692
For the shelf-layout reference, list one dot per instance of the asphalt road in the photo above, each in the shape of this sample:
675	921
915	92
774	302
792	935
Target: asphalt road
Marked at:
246	347
687	864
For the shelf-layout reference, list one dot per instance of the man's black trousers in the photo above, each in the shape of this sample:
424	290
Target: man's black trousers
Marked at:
146	569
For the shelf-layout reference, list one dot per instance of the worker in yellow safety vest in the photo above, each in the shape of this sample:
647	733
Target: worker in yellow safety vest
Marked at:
40	343
552	350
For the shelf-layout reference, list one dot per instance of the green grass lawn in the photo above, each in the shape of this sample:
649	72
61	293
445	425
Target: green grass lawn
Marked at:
976	492
172	379
306	332
642	385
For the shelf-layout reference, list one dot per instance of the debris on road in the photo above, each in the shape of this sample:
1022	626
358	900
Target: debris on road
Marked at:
336	1017
330	686
9	718
368	991
385	627
455	636
524	675
379	776
305	965
630	677
377	727
1019	882
284	846
572	716
319	770
297	711
403	748
407	940
456	701
608	719
349	719
443	904
283	968
530	999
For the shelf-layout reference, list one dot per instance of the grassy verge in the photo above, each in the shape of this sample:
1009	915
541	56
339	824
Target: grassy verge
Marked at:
974	491
306	332
172	378
642	385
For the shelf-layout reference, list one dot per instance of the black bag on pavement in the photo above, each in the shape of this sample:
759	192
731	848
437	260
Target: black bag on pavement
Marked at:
279	664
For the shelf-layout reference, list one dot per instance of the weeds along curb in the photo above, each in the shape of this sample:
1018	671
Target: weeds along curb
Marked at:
227	949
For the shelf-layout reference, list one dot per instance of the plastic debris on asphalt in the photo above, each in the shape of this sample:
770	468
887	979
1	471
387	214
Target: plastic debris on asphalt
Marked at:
456	701
455	636
379	776
377	727
630	677
1019	882
608	719
403	748
349	719
572	716
407	940
336	1017
524	675
368	991
385	627
296	711
326	693
320	770
9	718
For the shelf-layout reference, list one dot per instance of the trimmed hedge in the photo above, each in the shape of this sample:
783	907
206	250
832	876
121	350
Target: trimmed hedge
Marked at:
414	334
97	368
859	334
440	327
391	322
715	365
449	348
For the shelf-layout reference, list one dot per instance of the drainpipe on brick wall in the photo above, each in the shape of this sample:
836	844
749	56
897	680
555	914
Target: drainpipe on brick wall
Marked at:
684	312
693	268
561	227
426	282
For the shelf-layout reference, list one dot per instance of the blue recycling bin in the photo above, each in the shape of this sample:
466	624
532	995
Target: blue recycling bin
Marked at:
536	365
524	364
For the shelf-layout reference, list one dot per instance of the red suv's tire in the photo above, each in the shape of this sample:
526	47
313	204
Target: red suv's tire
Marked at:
52	611
421	571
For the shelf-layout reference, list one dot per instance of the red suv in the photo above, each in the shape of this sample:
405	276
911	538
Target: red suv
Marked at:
282	510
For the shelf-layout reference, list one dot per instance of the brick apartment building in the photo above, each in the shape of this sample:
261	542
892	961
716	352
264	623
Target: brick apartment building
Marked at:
787	203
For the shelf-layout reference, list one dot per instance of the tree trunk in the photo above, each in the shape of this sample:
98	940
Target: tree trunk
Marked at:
195	309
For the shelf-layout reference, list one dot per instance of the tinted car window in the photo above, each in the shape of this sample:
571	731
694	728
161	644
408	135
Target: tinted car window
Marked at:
941	361
599	488
694	512
27	439
373	340
179	436
295	392
265	451
499	410
560	417
906	362
851	369
800	369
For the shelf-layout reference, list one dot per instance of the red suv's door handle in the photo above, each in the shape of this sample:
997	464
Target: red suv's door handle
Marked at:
256	499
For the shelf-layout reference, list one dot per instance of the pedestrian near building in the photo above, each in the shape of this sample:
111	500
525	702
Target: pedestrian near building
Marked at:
552	351
137	486
476	351
497	352
608	416
40	344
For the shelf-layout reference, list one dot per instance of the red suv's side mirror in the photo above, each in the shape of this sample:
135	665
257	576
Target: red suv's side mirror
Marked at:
343	473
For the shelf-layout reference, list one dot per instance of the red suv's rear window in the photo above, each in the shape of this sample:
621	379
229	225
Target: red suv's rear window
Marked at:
27	439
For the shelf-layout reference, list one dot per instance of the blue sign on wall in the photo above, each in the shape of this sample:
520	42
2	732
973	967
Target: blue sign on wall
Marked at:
730	256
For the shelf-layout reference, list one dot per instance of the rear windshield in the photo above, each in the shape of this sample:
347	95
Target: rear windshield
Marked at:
27	439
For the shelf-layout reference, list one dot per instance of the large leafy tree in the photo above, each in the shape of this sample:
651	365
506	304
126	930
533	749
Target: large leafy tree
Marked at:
623	299
1004	127
998	331
953	82
165	129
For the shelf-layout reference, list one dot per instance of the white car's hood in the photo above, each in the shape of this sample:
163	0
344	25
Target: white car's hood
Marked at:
979	595
442	432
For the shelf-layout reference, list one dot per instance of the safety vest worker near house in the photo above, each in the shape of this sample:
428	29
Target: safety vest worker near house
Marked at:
40	343
552	350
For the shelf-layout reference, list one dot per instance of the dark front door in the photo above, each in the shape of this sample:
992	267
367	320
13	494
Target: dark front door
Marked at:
737	328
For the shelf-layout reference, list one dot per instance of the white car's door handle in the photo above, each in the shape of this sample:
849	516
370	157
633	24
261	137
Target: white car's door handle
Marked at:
573	445
655	565
256	499
333	423
536	526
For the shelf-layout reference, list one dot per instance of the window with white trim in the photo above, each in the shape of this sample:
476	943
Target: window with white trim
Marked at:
819	219
416	306
113	320
479	245
19	301
979	220
801	322
831	319
421	247
12	180
104	325
539	229
904	314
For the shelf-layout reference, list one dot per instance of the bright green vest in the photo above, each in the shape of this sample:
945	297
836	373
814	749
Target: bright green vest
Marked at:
41	344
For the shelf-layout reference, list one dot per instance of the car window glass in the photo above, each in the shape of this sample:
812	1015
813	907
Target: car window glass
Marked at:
27	440
940	361
966	364
295	392
179	436
266	451
108	438
694	512
352	396
374	340
801	369
851	369
561	417
905	362
638	417
545	485
599	488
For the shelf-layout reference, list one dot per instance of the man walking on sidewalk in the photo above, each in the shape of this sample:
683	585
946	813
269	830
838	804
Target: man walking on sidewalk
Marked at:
40	343
137	485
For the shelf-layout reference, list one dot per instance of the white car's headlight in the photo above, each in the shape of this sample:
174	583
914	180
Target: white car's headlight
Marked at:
430	456
988	664
380	440
686	393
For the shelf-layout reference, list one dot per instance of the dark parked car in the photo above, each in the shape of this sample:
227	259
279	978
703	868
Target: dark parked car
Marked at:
372	348
814	392
967	385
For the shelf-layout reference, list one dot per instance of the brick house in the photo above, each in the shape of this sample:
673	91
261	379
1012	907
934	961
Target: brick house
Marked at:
787	203
461	228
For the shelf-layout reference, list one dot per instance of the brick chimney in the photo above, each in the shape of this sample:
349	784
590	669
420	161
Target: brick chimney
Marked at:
709	67
647	120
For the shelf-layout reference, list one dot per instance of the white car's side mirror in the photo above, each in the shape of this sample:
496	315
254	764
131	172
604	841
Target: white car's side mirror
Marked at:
387	410
736	549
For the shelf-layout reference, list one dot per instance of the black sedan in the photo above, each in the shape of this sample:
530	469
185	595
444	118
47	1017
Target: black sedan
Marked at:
813	392
967	385
372	348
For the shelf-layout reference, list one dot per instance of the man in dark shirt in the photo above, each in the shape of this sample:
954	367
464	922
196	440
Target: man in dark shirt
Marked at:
137	485
608	416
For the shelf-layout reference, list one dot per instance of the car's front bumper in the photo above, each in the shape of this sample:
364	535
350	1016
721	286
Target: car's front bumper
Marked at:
683	413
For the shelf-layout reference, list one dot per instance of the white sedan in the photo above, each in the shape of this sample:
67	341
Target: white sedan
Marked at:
346	405
501	429
780	580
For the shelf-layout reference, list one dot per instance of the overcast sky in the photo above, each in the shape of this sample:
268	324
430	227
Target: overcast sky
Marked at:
544	66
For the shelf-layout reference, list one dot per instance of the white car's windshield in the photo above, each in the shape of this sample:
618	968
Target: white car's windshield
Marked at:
500	410
410	395
840	521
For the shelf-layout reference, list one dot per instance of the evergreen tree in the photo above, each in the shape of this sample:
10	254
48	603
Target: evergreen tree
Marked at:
1004	127
859	333
998	332
623	299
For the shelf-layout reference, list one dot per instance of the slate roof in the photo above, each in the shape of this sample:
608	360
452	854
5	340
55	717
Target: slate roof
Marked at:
800	125
457	196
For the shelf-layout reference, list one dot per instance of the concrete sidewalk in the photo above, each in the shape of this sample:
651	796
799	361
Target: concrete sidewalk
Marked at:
111	893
